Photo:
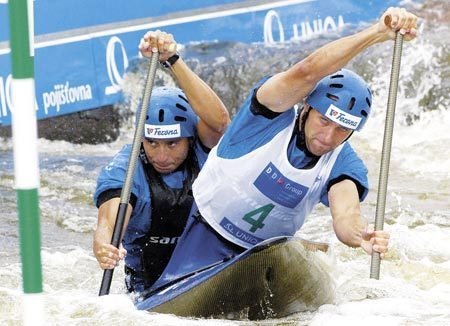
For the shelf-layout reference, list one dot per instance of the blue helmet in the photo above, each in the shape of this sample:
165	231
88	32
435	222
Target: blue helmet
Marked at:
343	97
169	115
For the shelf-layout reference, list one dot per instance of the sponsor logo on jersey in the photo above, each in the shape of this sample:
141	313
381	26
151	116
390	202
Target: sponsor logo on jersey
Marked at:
163	240
274	185
239	233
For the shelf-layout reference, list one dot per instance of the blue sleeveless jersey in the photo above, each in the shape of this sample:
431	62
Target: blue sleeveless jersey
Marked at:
112	176
248	132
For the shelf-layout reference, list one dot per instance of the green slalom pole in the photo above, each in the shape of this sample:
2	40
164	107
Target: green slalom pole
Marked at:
26	166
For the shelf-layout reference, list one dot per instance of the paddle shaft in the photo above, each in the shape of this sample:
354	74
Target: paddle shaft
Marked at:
386	150
126	190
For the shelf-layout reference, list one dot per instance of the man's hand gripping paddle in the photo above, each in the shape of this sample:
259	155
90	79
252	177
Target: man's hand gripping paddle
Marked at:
126	190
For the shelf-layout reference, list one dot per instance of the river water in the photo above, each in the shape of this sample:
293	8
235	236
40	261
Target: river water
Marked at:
414	286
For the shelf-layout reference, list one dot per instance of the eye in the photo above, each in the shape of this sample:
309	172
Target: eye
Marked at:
173	143
151	142
324	120
344	130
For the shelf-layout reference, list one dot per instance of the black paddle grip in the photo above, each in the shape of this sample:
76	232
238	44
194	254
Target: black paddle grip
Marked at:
115	241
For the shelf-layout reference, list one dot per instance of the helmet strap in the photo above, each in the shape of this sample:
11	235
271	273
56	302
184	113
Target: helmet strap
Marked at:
300	131
348	137
142	154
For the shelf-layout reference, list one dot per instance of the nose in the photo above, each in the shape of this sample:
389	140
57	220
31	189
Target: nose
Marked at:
329	134
161	156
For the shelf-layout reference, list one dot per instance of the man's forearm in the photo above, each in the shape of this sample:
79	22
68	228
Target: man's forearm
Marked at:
345	210
349	230
335	55
202	98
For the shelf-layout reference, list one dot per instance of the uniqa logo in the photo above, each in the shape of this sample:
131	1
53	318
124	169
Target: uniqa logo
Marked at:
114	73
5	95
272	16
319	26
6	98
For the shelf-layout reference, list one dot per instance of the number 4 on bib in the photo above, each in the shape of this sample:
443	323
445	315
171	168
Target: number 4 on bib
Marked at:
262	213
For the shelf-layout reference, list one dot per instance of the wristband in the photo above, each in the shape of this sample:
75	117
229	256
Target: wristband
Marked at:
171	61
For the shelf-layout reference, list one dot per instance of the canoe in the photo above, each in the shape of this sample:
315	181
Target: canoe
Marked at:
274	279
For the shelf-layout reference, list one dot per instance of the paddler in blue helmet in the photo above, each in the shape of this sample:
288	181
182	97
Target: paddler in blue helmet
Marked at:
180	129
275	163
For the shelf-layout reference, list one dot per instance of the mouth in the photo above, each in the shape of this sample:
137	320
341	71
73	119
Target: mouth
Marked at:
320	146
163	168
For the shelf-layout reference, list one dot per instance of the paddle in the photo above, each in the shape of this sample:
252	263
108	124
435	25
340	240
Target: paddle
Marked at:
126	190
386	150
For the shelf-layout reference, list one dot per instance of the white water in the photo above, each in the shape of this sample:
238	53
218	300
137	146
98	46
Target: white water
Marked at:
414	288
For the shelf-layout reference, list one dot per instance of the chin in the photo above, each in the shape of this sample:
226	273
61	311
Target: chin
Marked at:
164	171
314	151
319	150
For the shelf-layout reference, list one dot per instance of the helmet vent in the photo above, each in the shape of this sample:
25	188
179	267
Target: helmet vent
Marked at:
333	97
183	98
179	118
181	107
351	103
368	102
161	115
337	76
336	85
364	113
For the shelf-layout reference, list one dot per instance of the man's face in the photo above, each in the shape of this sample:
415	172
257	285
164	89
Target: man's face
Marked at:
323	135
166	155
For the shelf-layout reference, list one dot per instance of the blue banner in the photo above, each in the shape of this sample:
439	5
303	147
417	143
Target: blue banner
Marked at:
82	47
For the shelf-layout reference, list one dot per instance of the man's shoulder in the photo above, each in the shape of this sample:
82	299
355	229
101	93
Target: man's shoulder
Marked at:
248	132
349	160
121	158
348	152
